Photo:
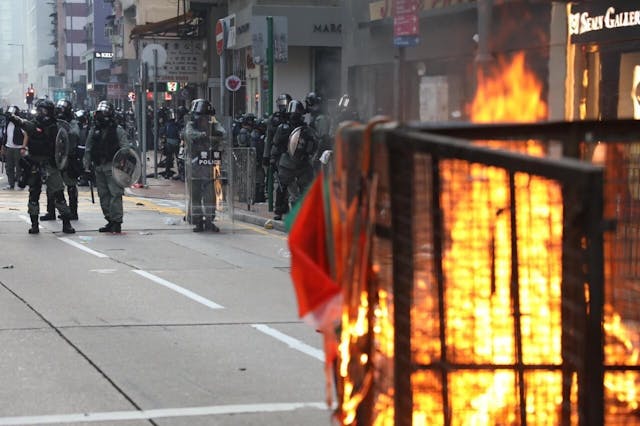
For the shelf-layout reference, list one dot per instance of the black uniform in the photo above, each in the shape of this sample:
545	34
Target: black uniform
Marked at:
41	166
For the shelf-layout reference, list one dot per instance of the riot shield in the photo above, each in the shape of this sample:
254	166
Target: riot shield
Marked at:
127	167
202	169
294	140
62	145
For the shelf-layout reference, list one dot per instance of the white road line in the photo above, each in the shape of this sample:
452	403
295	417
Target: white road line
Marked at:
82	247
160	413
293	343
191	295
28	220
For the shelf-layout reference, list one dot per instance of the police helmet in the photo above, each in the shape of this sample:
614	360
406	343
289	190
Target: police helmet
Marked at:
64	109
45	109
202	107
81	116
13	110
296	111
104	113
343	103
248	120
313	102
283	101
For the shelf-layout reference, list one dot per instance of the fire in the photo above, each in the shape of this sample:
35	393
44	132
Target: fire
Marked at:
482	316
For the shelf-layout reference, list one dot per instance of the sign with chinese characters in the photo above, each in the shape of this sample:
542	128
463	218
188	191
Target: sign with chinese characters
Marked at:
184	60
259	39
405	23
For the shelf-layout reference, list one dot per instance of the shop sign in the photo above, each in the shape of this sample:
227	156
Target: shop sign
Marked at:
104	55
327	28
604	21
183	59
233	83
259	39
405	23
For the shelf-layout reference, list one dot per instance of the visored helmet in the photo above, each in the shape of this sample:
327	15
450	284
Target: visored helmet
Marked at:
248	120
82	116
313	102
283	101
105	112
296	111
13	110
45	109
343	103
202	107
64	110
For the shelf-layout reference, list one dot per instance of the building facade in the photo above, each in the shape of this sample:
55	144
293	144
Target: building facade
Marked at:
40	51
98	54
308	40
12	81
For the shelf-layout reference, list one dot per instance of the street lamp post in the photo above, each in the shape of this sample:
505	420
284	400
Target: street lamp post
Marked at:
22	76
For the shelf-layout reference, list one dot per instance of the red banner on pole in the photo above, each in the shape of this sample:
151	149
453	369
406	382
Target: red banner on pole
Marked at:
406	28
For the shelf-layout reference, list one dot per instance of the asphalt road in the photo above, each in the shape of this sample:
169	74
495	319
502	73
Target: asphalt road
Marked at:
158	325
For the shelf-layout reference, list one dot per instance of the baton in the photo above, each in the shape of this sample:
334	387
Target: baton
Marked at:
93	199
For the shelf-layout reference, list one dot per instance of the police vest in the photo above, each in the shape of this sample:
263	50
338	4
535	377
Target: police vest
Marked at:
105	144
42	141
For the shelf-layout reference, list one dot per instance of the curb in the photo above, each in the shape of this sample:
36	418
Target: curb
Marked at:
258	220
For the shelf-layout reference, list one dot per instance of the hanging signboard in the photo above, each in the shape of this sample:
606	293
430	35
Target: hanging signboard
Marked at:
183	59
259	39
405	23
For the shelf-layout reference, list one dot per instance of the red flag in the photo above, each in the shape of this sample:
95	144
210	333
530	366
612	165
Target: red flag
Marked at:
310	271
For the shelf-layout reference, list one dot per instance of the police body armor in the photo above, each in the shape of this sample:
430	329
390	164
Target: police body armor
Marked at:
105	144
203	162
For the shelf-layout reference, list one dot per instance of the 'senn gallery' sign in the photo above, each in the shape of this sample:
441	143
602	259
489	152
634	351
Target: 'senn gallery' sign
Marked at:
596	21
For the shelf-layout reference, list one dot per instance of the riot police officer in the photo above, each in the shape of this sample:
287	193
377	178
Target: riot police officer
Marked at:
295	169
105	138
279	146
42	132
319	122
73	169
203	138
277	118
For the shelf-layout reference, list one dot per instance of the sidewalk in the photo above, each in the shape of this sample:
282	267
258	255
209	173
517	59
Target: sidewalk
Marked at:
169	189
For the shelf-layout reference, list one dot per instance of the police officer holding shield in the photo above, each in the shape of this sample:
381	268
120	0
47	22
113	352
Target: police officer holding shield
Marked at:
203	137
73	167
43	131
104	140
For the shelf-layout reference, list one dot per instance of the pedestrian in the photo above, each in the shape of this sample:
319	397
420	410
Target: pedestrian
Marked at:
73	168
15	139
105	138
40	156
203	140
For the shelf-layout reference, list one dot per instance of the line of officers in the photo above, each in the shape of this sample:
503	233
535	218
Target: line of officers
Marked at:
58	147
294	142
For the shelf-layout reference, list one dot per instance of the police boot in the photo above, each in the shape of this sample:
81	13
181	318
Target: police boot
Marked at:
66	226
51	210
210	226
116	227
35	229
73	202
107	227
199	226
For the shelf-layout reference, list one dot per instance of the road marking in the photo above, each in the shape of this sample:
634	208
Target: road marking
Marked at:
293	343
160	413
81	247
28	220
188	293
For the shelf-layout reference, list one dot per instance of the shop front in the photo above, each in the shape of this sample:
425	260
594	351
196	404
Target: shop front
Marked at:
307	53
604	54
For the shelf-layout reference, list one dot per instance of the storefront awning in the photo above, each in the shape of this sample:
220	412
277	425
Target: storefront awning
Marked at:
161	27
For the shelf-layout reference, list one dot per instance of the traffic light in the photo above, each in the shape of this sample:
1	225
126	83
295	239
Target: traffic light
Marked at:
30	95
